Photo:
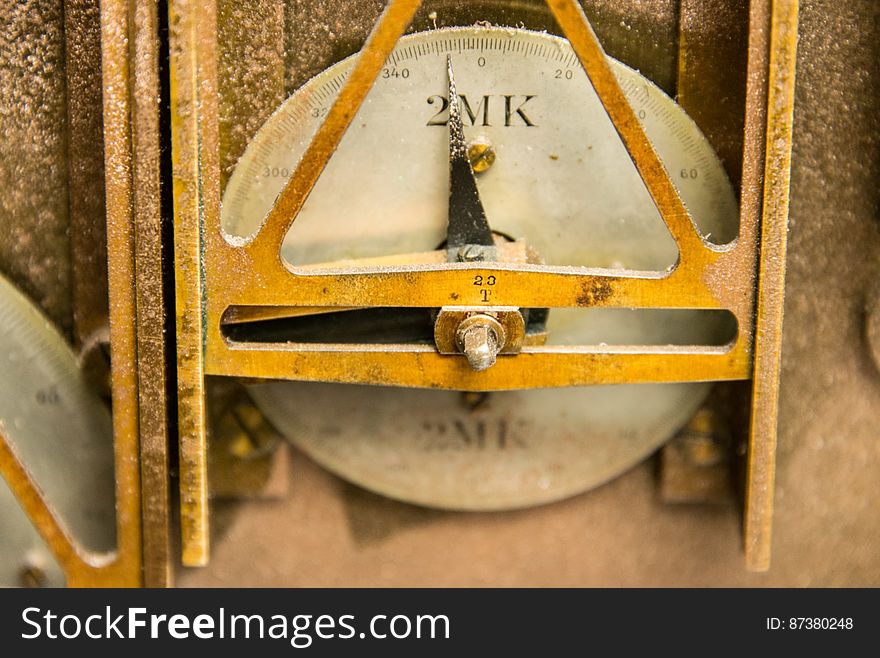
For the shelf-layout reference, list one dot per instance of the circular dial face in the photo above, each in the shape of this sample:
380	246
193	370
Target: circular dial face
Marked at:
560	179
60	430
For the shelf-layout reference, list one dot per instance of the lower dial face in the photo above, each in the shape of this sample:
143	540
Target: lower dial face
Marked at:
558	177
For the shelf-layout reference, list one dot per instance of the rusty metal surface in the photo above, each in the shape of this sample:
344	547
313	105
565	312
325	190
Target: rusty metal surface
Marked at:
35	244
517	252
827	521
233	274
213	273
121	204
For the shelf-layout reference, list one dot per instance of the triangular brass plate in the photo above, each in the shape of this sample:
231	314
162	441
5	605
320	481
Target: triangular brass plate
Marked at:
385	34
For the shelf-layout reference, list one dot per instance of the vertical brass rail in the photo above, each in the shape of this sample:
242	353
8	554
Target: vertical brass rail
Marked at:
149	285
118	159
196	186
758	520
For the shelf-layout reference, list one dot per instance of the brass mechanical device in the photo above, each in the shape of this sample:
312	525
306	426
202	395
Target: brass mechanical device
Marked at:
470	256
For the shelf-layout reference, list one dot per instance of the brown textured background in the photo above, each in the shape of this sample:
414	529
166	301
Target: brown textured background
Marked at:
34	242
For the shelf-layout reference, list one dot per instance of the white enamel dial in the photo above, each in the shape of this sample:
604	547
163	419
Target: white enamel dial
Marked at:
61	430
562	181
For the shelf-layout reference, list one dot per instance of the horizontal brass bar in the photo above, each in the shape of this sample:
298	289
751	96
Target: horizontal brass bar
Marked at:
509	252
423	367
524	285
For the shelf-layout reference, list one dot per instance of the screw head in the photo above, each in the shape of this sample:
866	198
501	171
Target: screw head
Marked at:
471	253
480	338
481	154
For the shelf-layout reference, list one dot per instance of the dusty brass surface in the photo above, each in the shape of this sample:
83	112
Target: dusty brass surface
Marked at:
118	153
124	567
760	478
196	184
826	520
146	218
827	408
510	252
752	180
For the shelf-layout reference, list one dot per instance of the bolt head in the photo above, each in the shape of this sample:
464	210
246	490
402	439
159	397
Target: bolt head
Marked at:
480	338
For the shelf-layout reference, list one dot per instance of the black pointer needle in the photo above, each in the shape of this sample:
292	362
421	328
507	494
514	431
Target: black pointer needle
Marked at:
468	228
